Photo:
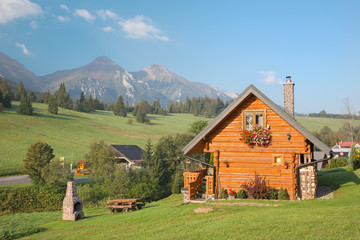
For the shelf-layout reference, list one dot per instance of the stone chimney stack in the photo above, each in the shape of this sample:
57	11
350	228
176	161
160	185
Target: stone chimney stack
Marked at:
289	96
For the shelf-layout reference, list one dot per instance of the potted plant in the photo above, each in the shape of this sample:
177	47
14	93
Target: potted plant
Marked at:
257	136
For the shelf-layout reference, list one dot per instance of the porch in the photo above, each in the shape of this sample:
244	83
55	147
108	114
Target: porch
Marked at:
198	185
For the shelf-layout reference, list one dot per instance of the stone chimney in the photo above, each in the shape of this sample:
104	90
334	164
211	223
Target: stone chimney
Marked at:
72	204
289	96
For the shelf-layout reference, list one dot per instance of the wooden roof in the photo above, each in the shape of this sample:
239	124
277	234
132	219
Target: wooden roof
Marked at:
130	152
251	89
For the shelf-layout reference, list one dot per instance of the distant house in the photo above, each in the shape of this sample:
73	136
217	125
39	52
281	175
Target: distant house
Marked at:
286	161
342	149
130	155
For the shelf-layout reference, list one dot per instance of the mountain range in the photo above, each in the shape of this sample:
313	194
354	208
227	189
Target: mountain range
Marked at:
106	80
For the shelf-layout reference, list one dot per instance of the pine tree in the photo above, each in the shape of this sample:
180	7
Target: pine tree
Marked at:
52	108
119	107
63	98
148	154
155	108
20	91
6	92
32	97
45	97
25	106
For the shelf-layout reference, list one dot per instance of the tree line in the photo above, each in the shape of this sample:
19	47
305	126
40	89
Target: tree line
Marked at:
160	175
324	114
347	133
207	107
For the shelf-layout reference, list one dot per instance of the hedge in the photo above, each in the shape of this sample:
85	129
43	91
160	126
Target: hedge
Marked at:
31	199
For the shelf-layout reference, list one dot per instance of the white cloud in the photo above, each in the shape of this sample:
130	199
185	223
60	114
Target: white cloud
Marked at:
12	9
64	7
63	19
25	50
268	77
104	14
141	27
108	29
34	25
84	14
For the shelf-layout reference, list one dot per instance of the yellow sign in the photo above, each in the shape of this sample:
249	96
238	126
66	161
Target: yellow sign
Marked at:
62	160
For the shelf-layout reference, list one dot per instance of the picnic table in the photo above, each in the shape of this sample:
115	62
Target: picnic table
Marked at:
118	205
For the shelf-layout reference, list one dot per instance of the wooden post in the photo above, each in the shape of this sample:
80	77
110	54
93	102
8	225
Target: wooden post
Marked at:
216	175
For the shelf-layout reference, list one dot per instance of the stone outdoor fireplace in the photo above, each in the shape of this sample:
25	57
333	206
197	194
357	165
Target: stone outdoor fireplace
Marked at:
72	204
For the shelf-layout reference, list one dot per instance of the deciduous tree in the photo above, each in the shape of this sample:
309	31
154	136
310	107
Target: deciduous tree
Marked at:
38	156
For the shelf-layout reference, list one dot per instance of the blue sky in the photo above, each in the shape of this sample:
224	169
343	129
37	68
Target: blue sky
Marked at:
227	44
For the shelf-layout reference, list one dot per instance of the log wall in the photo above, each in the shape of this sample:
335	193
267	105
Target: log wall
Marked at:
239	162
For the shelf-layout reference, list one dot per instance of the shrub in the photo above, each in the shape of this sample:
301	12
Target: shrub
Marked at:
354	158
283	195
241	194
257	188
92	193
223	193
273	194
34	198
337	162
129	121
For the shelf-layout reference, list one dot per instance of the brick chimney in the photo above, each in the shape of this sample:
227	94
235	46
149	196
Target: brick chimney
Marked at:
289	96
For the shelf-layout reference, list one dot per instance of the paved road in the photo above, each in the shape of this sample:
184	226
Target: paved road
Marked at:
24	179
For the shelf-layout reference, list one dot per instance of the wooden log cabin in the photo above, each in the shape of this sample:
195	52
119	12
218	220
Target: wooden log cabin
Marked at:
235	162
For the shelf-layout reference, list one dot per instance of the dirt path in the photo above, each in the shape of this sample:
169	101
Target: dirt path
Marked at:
244	204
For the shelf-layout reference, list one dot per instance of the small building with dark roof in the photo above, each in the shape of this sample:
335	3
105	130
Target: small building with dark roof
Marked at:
131	155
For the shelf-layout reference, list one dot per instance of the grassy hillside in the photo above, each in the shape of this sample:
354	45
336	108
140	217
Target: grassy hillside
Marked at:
336	218
70	133
316	124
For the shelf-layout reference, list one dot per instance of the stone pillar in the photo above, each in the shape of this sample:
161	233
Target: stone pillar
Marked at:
72	204
308	182
289	96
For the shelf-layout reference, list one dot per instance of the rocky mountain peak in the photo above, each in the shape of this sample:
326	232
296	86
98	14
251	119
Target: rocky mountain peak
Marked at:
103	60
158	72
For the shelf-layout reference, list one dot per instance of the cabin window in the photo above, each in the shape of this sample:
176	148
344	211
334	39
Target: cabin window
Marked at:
278	159
253	118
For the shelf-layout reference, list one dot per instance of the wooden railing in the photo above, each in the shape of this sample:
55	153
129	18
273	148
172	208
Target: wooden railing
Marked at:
193	181
209	184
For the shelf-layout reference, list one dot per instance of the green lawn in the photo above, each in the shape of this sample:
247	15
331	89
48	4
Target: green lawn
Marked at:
336	218
70	133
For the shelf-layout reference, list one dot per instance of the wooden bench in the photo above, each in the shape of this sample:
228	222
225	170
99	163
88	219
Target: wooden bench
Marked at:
126	205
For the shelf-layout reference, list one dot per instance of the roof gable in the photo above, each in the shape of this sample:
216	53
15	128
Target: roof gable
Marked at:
130	152
251	89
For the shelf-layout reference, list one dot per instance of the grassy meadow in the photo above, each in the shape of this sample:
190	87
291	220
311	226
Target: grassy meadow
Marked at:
70	133
336	218
316	124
